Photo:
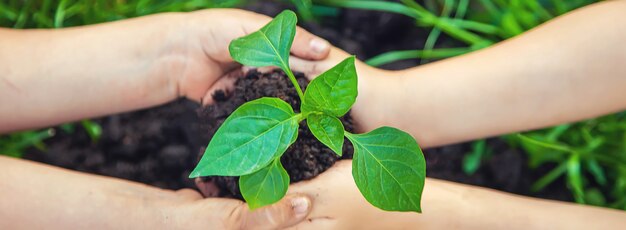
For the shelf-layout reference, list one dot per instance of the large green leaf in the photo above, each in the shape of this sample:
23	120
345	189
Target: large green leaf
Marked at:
389	169
268	46
334	91
266	186
328	130
249	139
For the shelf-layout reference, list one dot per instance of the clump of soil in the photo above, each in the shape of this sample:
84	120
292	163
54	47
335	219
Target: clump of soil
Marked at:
305	159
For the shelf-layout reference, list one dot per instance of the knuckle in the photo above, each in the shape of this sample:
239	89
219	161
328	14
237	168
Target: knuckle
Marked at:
314	69
236	219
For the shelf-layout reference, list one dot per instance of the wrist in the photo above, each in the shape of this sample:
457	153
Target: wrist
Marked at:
141	206
377	89
171	52
189	55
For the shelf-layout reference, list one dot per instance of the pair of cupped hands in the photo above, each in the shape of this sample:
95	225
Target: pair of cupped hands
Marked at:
202	64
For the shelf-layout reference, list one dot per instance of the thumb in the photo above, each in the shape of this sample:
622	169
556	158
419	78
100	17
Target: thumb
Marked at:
313	68
289	211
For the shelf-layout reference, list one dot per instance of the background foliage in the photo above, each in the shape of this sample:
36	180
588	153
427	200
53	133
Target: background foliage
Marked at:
589	155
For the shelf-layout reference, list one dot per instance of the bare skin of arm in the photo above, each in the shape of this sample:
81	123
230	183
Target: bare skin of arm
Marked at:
569	69
338	204
38	196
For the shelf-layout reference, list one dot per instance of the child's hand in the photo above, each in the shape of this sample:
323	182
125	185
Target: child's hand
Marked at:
338	204
191	211
200	57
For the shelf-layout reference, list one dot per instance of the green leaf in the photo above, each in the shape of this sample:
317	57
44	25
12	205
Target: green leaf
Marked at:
266	186
334	91
327	130
249	139
389	169
268	46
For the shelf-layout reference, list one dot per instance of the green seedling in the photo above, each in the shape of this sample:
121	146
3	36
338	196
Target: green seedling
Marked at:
388	165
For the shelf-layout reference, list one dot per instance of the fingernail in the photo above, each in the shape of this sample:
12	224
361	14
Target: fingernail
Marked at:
300	206
319	45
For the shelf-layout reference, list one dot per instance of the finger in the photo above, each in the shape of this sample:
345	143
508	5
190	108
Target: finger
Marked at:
309	46
314	68
311	69
267	69
320	183
289	211
188	194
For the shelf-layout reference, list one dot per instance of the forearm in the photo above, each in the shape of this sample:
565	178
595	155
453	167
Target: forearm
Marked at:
53	76
36	196
569	69
448	205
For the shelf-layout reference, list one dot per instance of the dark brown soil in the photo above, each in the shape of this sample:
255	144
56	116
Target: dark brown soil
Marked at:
156	146
305	159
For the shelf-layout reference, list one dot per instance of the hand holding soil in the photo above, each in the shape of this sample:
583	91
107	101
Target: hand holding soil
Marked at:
146	61
202	61
337	204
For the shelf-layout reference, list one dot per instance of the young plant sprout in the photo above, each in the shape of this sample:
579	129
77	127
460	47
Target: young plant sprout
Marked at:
388	165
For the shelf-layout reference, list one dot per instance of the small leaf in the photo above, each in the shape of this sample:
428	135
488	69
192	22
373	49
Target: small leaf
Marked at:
249	139
389	169
334	91
266	186
268	46
327	130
